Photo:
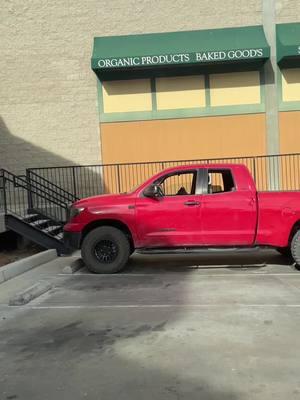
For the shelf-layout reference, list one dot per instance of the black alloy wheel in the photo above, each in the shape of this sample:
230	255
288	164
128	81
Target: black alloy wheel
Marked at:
106	251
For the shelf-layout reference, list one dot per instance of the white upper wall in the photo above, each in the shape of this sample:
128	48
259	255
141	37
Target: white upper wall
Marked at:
48	96
287	11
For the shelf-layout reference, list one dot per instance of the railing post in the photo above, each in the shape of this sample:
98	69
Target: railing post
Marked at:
118	177
4	196
273	169
254	169
29	192
74	182
3	191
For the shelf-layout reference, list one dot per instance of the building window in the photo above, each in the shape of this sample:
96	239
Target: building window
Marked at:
180	92
127	95
181	96
291	84
235	88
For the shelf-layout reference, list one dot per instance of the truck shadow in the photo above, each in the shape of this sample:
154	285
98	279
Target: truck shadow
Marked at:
182	263
89	342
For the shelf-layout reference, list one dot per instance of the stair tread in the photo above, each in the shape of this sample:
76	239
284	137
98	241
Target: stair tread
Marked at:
30	215
39	222
32	220
52	228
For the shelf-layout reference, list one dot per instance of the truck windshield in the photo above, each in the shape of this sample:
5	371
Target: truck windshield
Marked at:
131	190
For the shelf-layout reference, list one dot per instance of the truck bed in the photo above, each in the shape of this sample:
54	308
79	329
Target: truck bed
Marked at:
277	213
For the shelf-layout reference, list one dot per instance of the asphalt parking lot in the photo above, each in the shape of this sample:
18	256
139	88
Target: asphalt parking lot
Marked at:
194	327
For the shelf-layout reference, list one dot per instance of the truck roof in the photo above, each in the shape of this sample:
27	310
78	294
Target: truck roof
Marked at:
199	166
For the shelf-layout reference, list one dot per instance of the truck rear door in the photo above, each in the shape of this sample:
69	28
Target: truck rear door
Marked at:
228	213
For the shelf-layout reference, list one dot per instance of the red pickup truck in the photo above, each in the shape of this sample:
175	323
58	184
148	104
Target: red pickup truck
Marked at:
184	209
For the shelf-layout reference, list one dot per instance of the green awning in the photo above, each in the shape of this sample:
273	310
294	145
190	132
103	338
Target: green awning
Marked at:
180	49
288	44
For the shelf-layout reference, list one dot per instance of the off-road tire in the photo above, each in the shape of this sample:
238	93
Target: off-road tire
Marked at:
106	237
295	249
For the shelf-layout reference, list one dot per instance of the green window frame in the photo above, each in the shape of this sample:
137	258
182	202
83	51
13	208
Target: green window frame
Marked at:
208	110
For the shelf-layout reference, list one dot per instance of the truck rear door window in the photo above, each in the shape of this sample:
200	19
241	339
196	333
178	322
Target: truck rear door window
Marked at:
220	181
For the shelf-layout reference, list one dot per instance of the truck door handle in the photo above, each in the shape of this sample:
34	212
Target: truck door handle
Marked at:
191	203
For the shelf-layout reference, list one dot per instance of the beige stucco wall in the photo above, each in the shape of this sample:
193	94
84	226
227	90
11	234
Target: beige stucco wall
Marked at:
287	11
48	113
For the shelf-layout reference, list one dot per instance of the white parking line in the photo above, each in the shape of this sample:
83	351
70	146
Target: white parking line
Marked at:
180	273
162	306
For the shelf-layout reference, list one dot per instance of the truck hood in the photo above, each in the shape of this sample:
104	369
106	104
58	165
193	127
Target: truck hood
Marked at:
108	199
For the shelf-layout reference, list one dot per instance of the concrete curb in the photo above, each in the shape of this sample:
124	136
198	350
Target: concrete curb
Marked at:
16	268
29	294
74	266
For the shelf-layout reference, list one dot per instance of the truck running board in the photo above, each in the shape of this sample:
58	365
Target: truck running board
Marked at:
198	250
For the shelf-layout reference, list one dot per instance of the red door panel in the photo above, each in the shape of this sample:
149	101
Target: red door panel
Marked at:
169	221
228	218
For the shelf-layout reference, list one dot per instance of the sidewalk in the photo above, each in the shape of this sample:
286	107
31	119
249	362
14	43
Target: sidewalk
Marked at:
21	282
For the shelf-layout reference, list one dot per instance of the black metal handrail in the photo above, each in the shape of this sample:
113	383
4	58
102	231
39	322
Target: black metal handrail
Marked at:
271	172
50	187
35	188
17	194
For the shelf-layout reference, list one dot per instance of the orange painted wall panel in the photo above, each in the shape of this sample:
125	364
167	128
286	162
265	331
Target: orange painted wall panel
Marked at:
189	138
289	125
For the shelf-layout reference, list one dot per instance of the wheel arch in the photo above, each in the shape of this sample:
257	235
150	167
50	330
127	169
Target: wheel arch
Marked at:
109	222
294	229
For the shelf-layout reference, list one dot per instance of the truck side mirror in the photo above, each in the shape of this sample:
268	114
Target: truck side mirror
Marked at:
152	191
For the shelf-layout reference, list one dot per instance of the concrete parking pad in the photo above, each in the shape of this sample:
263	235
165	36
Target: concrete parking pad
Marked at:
215	332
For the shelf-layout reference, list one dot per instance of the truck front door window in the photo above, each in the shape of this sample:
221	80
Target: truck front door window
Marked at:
178	184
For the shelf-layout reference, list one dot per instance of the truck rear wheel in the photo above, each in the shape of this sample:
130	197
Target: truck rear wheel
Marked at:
105	250
295	249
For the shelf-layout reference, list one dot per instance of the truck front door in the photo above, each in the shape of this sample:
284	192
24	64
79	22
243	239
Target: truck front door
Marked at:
172	219
228	215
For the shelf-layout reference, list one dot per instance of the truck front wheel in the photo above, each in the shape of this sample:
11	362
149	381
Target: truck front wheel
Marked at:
295	249
105	250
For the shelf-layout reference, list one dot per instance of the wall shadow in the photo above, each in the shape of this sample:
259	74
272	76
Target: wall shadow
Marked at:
16	155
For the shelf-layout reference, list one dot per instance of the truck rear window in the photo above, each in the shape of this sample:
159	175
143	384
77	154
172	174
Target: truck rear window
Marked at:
220	181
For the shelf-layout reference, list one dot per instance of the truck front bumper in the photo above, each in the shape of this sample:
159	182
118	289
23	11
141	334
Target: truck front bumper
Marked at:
72	240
